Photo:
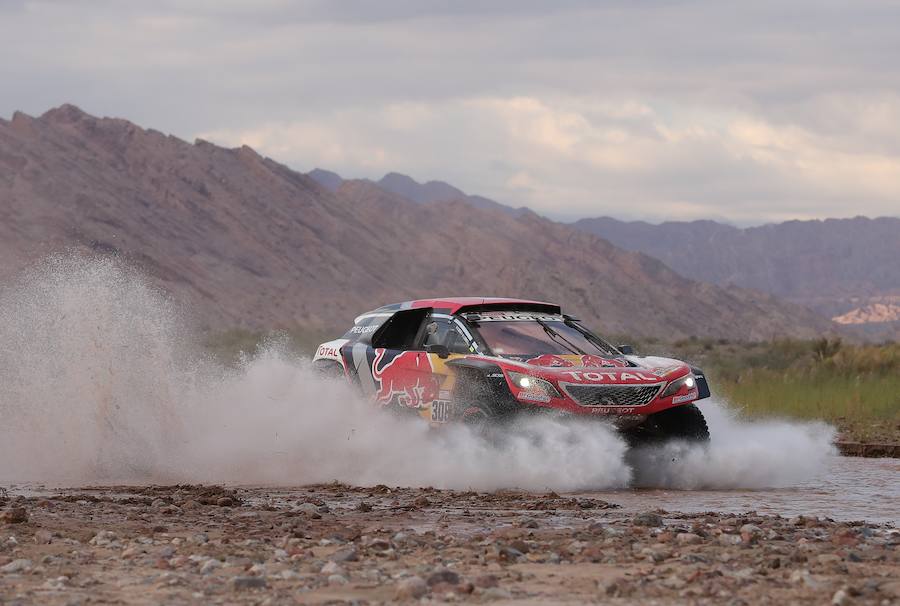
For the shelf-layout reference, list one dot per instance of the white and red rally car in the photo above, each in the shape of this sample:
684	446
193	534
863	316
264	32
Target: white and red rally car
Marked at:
483	361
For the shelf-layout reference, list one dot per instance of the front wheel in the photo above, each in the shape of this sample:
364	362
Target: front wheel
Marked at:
484	421
684	423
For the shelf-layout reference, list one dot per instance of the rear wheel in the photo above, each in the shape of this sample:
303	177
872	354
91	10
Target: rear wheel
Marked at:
684	423
328	369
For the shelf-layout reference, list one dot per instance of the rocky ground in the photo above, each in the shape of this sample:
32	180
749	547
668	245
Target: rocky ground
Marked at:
334	543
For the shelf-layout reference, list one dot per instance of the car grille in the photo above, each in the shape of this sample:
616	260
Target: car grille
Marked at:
612	395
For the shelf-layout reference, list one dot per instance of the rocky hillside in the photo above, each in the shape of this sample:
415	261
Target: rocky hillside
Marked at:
430	192
248	242
836	266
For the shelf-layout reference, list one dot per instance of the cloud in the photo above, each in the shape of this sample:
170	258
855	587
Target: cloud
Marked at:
661	110
572	157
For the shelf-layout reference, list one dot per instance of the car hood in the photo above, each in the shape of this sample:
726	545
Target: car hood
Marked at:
599	369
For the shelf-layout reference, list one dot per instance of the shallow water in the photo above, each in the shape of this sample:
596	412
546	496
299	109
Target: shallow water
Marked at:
848	489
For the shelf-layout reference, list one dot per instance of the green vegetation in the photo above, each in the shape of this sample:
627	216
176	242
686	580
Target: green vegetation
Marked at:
228	346
855	387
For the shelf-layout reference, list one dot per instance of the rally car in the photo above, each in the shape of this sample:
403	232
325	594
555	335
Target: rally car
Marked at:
485	361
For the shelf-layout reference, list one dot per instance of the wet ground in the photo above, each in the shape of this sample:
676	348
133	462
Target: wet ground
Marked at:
335	543
848	489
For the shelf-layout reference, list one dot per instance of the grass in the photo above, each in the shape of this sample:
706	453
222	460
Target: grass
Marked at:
229	346
854	387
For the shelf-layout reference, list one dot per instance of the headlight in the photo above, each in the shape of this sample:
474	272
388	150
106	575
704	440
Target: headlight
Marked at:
533	388
675	386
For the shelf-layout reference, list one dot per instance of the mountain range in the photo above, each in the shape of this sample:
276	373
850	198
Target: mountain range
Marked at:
430	192
248	242
844	269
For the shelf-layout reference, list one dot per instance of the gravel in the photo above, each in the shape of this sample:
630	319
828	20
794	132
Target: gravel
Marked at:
115	546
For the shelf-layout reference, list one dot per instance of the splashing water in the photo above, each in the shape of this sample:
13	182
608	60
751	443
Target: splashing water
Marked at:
99	384
762	454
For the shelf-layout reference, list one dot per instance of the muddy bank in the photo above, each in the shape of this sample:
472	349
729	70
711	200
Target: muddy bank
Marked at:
864	449
333	543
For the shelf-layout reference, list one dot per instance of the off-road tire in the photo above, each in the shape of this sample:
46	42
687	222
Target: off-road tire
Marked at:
483	420
685	423
483	406
328	369
682	423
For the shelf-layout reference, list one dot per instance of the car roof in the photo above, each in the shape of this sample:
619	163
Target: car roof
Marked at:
452	305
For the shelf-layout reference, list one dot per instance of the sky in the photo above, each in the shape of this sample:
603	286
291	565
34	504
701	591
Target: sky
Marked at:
746	112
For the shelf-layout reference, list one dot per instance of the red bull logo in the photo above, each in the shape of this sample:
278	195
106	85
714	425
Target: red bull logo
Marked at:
406	379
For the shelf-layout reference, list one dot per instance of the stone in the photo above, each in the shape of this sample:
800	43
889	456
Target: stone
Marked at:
225	502
803	576
332	568
655	554
520	545
16	566
496	593
486	581
379	545
840	597
648	518
728	540
43	537
674	582
242	583
687	538
891	589
337	579
308	508
612	588
443	575
210	565
345	555
510	554
14	515
104	538
411	588
750	534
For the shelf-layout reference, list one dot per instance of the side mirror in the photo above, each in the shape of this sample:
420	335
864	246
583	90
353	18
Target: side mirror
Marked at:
440	351
628	350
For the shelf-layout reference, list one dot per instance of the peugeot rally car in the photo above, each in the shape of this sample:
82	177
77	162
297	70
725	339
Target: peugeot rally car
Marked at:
483	361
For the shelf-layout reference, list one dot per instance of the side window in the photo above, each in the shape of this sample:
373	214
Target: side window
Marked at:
457	343
436	332
401	330
441	331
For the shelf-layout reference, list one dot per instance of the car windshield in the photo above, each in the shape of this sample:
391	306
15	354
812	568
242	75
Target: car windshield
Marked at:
537	336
